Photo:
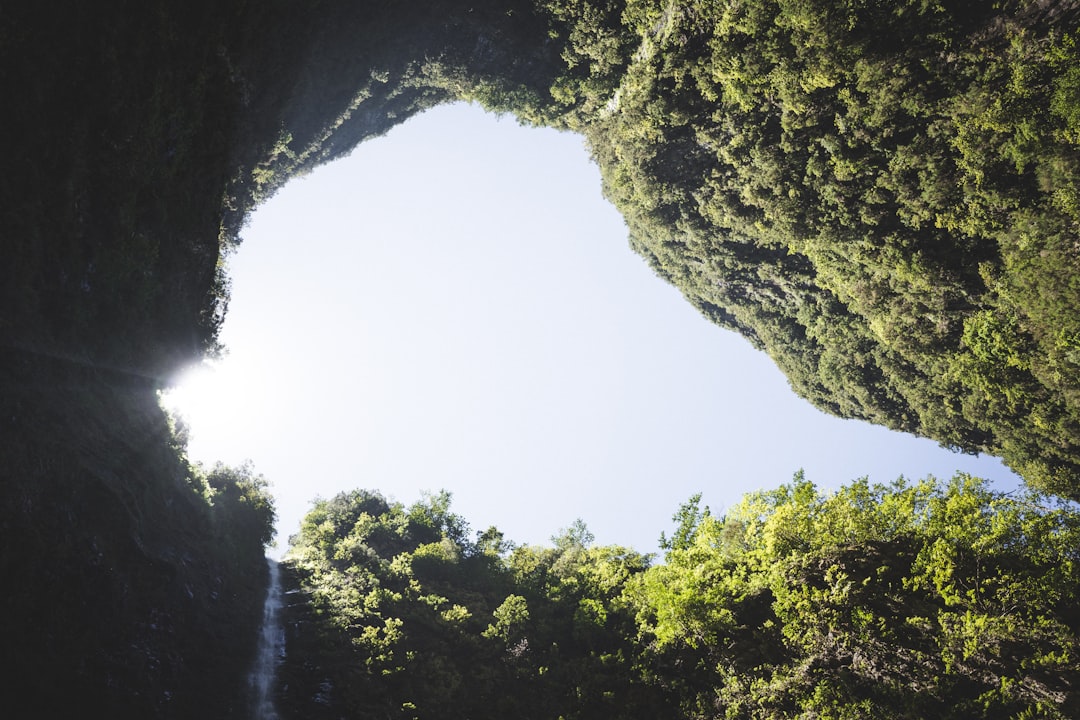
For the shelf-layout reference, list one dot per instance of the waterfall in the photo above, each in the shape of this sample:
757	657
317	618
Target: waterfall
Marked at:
270	650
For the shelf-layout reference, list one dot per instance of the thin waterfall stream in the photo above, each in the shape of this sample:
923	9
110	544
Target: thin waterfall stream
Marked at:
270	650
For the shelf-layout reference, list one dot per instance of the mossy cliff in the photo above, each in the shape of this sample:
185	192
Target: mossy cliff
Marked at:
885	197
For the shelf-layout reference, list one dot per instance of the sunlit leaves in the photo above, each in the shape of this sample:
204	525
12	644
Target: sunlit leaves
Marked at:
906	600
509	619
855	187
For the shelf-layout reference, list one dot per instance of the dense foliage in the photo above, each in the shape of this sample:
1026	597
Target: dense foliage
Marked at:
411	617
901	601
885	197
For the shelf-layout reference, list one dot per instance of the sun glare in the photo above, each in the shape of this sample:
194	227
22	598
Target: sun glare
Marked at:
195	394
215	399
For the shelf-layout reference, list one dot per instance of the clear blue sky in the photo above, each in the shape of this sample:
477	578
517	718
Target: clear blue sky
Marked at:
455	306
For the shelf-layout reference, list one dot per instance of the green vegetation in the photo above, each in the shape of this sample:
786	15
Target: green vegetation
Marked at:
881	197
411	617
901	601
885	197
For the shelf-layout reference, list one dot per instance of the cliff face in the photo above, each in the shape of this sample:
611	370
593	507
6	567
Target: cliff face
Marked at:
129	588
885	198
125	594
880	198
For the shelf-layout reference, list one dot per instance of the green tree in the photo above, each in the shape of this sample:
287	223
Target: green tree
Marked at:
899	601
242	504
413	619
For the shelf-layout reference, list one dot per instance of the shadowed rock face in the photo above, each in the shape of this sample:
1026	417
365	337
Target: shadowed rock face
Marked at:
144	134
882	198
139	135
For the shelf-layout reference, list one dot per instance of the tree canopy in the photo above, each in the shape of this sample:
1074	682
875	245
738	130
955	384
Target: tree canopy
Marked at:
915	600
908	600
883	196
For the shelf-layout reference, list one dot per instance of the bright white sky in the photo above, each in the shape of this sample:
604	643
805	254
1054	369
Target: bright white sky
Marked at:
455	306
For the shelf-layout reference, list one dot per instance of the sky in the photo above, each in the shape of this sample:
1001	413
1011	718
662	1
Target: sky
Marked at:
455	307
